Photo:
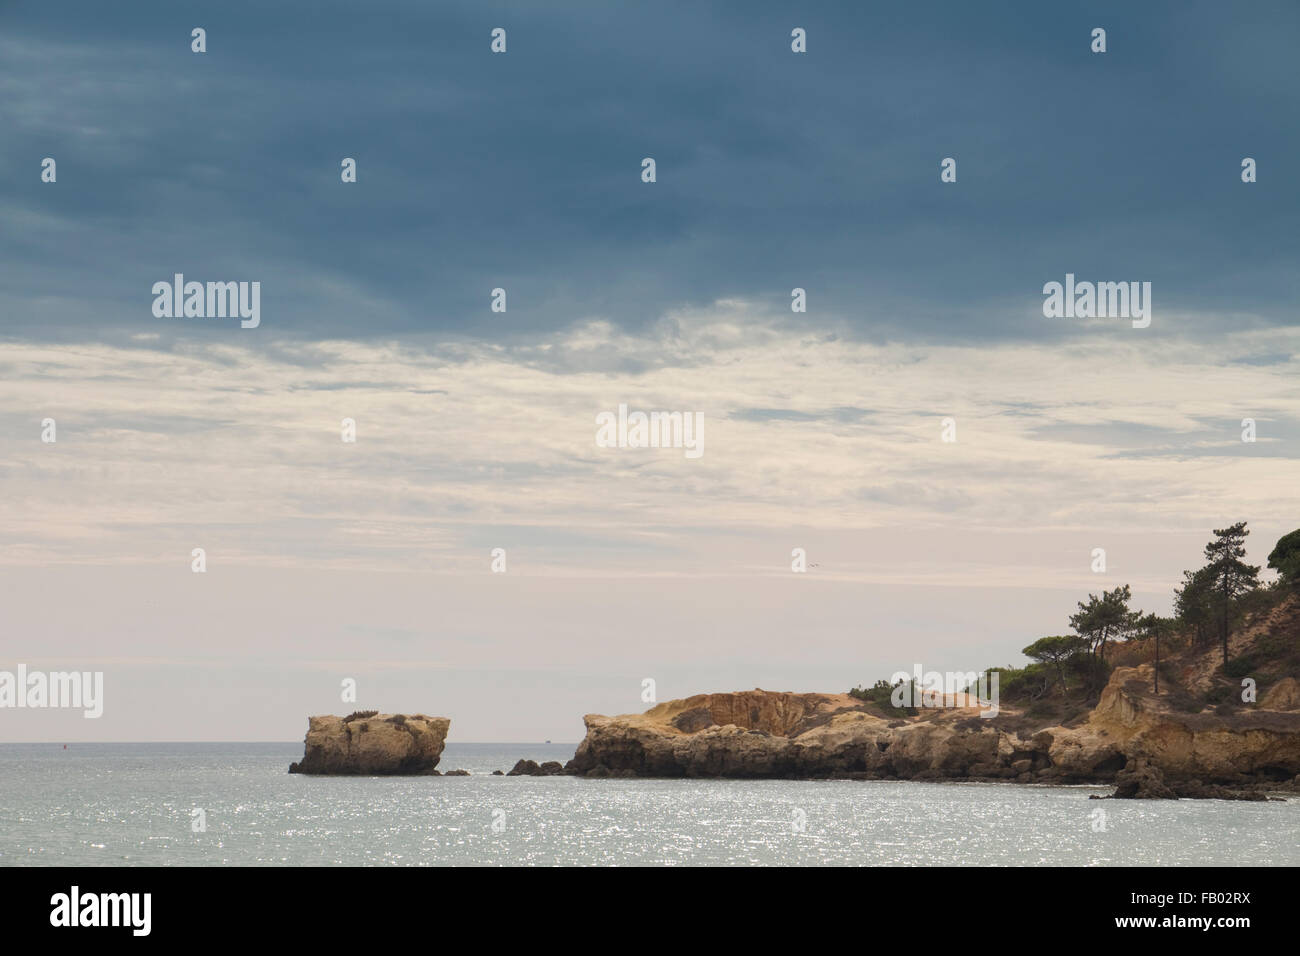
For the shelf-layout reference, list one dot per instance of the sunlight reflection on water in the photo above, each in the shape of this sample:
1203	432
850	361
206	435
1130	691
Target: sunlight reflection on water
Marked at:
130	804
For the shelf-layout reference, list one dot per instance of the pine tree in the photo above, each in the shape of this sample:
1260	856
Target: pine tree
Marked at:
1104	619
1192	602
1230	576
1055	651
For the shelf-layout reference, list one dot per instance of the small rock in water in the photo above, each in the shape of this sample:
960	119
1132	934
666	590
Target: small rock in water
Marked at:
531	768
1143	782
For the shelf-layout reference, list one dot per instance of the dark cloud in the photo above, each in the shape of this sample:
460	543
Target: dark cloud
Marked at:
522	170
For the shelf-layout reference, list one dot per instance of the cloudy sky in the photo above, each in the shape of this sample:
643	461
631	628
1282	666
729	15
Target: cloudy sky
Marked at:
476	429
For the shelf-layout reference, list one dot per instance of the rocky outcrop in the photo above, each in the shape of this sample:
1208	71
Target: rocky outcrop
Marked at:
1142	782
373	744
764	734
531	768
1145	782
748	734
1129	723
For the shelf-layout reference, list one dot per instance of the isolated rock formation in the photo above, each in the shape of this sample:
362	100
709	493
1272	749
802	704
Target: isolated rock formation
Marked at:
371	743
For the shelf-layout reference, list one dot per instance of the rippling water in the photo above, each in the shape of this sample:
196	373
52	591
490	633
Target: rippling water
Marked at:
131	804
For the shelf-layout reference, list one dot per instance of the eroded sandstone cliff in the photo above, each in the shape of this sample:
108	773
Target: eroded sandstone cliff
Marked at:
764	734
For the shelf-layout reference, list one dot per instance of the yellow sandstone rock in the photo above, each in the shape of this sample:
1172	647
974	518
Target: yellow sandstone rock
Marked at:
373	744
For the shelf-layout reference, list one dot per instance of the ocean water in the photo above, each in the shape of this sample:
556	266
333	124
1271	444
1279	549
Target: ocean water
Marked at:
132	804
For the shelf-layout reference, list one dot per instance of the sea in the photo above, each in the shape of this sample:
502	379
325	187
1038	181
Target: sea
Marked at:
235	804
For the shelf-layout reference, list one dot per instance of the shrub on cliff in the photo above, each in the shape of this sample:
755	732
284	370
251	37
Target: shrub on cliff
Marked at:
1280	650
1285	559
1040	709
359	715
1022	684
881	695
1240	667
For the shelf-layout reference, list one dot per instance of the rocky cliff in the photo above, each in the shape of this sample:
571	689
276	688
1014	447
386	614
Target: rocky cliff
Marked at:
764	734
371	743
1130	726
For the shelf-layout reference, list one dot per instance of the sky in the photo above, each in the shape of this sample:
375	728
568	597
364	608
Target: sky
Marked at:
475	429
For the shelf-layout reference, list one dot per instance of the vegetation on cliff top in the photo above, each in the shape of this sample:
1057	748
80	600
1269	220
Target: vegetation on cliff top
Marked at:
1067	672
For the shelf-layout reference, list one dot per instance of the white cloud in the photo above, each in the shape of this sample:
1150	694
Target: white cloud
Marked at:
236	447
